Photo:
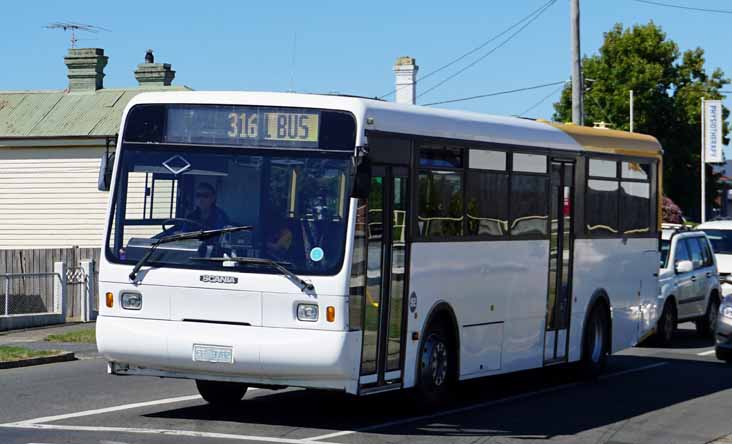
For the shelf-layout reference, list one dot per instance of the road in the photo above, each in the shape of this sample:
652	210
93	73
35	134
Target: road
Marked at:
680	394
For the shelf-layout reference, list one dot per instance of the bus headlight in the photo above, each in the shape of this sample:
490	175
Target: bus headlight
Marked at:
131	301
307	312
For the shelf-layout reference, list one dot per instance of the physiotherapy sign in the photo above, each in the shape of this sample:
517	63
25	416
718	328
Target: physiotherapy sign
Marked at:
713	122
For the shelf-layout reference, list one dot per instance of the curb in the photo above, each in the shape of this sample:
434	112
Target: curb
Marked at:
62	357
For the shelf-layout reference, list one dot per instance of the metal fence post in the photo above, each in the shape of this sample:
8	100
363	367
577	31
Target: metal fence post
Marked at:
59	289
7	294
87	301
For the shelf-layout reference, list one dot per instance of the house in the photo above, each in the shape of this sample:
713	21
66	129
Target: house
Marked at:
52	216
51	145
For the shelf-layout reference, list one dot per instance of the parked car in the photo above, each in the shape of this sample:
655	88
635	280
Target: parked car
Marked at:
719	233
688	282
723	334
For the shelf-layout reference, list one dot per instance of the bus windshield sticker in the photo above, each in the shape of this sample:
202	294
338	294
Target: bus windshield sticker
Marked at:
316	254
177	164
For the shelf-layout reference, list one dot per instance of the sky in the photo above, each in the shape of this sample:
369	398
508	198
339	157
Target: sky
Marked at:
342	46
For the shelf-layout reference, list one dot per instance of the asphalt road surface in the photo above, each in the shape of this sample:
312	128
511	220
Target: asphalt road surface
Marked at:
680	394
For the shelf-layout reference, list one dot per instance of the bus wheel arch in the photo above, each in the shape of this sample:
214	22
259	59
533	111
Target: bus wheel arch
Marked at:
440	321
598	312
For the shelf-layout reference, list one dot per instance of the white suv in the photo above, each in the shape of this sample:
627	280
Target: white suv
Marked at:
719	233
688	283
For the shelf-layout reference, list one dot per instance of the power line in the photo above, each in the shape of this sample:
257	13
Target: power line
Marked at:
476	49
500	45
543	99
498	93
689	8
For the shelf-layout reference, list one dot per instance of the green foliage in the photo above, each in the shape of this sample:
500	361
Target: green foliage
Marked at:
10	353
668	87
87	335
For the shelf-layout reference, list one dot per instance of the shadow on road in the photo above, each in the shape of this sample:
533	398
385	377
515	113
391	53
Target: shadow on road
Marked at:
578	408
685	337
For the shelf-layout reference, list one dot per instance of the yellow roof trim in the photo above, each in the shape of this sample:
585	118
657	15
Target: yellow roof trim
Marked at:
612	141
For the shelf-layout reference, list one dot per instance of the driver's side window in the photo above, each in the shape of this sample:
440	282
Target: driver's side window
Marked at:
682	252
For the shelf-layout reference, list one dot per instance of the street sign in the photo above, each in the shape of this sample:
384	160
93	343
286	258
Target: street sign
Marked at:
713	122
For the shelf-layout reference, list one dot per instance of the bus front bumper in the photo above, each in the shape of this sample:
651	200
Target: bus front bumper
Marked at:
261	356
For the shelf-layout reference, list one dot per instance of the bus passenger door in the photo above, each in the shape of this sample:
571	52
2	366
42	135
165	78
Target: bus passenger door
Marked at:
561	243
386	253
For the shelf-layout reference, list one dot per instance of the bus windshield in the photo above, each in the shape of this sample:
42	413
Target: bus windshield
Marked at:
721	240
297	204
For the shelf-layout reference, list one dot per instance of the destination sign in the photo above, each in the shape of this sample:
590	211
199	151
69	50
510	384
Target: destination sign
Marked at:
242	125
238	125
275	126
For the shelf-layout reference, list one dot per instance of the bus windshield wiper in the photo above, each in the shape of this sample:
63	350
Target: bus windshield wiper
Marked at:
295	279
200	234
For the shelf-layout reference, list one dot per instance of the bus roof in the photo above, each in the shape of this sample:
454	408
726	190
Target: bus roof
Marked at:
393	117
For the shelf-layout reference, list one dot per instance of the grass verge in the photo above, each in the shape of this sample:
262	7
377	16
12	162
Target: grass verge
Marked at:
87	335
11	353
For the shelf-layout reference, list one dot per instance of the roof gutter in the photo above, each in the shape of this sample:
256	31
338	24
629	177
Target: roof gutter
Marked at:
53	141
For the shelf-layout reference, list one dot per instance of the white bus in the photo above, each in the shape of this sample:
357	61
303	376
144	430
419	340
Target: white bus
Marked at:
273	240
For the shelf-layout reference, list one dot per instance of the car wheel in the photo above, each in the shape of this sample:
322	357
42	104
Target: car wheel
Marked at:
666	324
437	367
218	393
595	343
708	324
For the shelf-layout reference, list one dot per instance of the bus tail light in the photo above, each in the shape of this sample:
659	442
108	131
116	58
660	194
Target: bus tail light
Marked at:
110	299
330	314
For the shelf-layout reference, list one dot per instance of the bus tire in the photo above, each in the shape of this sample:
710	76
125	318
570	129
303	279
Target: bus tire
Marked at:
706	325
666	325
437	366
595	342
218	393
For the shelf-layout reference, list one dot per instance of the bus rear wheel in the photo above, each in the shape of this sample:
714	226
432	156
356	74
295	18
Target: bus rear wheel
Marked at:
595	343
437	366
218	393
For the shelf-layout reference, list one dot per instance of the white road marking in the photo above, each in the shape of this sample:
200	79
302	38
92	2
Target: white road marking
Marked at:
161	432
706	353
104	410
108	409
479	405
37	423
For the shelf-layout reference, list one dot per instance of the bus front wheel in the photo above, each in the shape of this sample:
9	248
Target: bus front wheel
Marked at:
595	342
218	393
437	366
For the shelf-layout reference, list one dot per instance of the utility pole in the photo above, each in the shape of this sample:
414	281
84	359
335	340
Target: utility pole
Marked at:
631	110
577	87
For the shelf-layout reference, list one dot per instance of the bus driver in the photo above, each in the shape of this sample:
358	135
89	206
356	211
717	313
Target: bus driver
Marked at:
207	214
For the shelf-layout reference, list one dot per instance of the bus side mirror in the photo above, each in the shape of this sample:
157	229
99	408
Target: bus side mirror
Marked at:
362	179
105	172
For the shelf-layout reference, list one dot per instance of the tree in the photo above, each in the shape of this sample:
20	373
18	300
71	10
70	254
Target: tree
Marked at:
668	87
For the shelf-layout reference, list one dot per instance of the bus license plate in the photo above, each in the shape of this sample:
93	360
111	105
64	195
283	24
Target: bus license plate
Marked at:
213	353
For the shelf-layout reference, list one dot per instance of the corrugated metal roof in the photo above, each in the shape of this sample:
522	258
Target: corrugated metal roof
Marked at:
58	113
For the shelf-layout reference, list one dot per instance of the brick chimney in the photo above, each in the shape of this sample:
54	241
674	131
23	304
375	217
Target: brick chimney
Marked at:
405	70
154	74
86	69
